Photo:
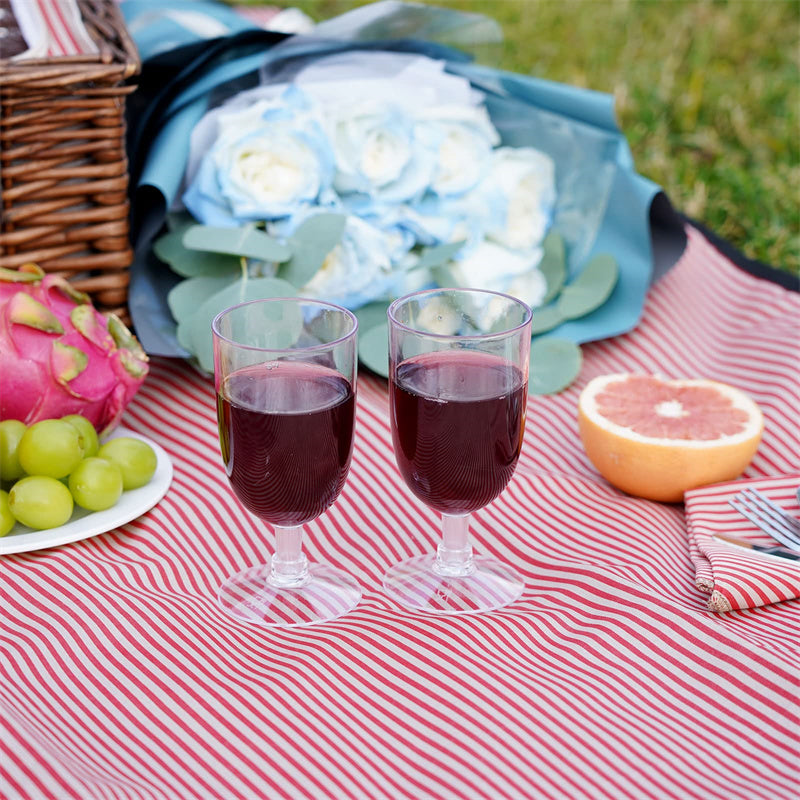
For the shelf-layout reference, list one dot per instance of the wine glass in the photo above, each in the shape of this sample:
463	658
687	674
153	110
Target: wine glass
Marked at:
285	375
458	373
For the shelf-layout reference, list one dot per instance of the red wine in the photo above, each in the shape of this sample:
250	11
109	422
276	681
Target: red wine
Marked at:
286	435
457	423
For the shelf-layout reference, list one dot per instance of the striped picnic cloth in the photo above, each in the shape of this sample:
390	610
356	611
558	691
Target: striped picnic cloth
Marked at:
610	678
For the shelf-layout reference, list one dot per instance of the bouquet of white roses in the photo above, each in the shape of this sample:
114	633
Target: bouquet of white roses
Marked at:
405	151
366	175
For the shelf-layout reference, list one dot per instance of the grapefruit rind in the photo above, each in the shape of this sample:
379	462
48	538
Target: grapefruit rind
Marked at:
663	469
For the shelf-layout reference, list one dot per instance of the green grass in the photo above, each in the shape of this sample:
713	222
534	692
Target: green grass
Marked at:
707	93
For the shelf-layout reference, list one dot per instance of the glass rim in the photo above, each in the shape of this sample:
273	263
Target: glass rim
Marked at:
300	301
453	336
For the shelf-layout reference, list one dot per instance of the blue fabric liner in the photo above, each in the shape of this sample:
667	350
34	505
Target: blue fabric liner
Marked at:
637	226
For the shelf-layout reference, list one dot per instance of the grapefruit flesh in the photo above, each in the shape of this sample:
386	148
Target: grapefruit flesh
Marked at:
657	438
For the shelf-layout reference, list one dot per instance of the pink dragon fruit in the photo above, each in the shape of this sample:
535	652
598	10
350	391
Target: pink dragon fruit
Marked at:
59	355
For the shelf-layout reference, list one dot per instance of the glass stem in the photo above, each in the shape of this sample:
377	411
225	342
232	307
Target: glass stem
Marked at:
454	554
289	567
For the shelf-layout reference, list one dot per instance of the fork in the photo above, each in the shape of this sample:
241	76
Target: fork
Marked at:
768	516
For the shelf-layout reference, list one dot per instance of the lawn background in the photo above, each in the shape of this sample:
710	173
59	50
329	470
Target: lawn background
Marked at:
707	93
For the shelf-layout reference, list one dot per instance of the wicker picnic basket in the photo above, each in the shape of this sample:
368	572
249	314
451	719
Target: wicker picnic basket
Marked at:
63	166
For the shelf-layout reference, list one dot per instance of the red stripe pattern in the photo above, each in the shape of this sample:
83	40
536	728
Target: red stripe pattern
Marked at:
610	678
734	576
57	26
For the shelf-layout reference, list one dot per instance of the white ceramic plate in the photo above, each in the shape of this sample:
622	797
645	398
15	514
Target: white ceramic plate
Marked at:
84	524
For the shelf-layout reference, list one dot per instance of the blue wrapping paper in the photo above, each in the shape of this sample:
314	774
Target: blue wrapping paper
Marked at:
604	206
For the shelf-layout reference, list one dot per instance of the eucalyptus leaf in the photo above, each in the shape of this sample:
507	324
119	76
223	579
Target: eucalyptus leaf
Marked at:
191	263
310	245
439	254
370	315
199	334
591	288
553	264
180	221
246	241
168	248
444	277
198	262
187	296
373	349
183	333
554	364
545	319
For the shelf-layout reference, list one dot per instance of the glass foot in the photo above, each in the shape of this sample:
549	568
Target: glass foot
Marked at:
415	584
326	594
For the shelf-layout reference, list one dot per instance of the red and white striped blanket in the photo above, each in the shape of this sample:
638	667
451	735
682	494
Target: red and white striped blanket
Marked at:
610	678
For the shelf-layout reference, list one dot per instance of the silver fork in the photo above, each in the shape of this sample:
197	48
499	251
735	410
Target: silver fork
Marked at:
768	516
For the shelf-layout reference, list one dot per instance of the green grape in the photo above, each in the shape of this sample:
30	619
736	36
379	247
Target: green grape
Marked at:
135	459
86	434
11	431
6	517
96	484
40	502
51	448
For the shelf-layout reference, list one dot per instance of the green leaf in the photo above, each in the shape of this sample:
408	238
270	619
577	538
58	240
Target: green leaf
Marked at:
198	340
373	349
553	264
554	364
545	319
370	315
197	262
183	333
440	254
591	288
245	241
445	278
169	247
191	263
179	221
310	245
187	296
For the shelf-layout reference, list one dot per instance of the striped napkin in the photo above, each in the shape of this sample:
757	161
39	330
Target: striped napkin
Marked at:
52	28
734	576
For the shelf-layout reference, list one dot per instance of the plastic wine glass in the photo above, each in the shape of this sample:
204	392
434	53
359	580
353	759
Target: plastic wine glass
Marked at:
458	373
285	375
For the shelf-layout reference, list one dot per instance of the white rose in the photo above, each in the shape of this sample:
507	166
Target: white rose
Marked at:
377	152
361	268
463	138
267	161
439	317
491	266
523	180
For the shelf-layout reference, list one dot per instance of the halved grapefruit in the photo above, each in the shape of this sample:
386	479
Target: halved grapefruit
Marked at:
657	438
